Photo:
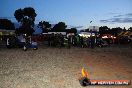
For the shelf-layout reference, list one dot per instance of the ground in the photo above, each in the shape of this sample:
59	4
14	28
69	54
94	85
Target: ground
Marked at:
50	67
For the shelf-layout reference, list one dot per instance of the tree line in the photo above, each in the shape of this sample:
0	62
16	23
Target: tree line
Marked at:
107	30
26	17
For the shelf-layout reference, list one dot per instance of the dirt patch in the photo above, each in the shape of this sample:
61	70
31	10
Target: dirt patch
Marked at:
61	68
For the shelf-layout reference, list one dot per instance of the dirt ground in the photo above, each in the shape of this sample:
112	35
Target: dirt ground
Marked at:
50	67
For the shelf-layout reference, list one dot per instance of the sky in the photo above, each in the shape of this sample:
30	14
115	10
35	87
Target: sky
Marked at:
77	13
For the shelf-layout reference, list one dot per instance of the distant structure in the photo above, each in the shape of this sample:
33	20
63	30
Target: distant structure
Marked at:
6	32
86	34
94	28
125	34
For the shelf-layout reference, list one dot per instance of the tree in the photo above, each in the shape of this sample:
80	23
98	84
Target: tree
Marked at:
6	24
124	29
82	30
45	26
87	30
72	30
61	26
26	17
130	29
115	31
103	29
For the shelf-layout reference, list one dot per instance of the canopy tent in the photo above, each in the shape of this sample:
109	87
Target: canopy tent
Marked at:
105	36
86	34
126	33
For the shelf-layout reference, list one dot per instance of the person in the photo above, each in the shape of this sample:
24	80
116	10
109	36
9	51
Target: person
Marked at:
88	42
77	40
52	39
69	41
74	41
49	40
82	42
85	42
57	40
92	42
99	42
34	45
21	41
65	41
61	40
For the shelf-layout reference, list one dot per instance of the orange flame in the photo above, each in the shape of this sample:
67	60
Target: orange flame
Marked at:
84	73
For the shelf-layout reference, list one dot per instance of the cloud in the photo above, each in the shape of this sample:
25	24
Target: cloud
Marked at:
78	27
119	16
7	17
126	18
70	26
125	15
112	13
129	14
105	20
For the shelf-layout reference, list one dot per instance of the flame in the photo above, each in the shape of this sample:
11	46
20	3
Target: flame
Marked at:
84	73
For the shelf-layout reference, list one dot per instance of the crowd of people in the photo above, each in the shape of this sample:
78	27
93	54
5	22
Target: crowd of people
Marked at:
54	40
59	40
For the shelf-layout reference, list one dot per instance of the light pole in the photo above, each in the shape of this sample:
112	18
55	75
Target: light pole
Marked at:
90	29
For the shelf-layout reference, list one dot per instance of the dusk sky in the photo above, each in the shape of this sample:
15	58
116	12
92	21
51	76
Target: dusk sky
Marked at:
111	13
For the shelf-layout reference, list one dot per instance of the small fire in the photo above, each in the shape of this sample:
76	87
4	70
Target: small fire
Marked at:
85	81
84	73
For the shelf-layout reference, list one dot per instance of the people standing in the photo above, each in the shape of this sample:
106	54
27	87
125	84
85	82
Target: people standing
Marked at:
82	42
92	40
